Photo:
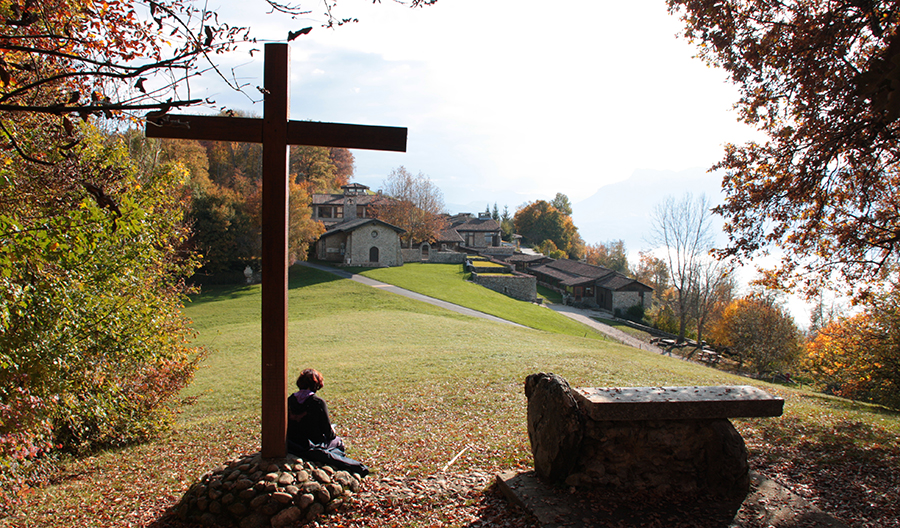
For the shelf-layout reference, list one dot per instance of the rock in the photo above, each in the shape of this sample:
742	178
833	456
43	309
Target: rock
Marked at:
292	490
285	479
287	517
303	501
255	520
207	519
272	476
301	475
321	476
334	489
242	484
247	494
555	426
315	509
282	497
237	509
342	477
311	487
259	501
323	495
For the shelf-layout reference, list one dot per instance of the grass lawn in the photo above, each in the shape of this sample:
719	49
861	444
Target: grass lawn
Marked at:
448	282
640	334
410	386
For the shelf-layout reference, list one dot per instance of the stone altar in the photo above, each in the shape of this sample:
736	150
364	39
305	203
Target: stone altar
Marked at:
661	441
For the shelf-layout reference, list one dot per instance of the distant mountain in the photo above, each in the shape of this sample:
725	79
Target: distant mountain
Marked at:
622	210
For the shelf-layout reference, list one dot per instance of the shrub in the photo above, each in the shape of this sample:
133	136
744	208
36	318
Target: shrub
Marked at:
93	346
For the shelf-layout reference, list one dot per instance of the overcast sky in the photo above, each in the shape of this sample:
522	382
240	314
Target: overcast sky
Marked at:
505	101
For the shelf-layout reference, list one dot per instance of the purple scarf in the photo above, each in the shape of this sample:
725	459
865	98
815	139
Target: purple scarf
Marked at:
302	395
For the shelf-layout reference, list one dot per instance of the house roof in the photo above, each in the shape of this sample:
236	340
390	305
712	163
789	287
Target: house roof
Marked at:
485	225
521	257
338	199
449	235
574	273
356	223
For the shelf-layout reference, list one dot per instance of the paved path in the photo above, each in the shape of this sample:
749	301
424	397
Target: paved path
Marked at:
407	293
585	317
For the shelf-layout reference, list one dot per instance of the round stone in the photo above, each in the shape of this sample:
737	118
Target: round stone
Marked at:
334	489
323	496
304	500
242	484
282	497
321	476
247	494
259	501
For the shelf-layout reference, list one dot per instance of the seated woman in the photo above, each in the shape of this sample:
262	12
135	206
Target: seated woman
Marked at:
310	433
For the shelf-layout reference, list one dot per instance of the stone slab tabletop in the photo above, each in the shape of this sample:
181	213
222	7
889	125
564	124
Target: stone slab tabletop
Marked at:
677	403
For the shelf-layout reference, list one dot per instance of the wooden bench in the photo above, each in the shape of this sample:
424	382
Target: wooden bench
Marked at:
656	440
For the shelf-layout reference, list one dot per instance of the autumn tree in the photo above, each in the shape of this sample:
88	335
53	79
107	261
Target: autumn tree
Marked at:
683	230
416	204
548	248
858	357
652	271
611	254
539	221
759	332
819	79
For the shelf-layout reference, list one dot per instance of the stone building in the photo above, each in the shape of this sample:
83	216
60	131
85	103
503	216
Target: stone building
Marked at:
355	202
475	233
594	285
365	242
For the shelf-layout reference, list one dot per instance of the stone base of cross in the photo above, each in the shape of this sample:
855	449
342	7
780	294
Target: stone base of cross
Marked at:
276	132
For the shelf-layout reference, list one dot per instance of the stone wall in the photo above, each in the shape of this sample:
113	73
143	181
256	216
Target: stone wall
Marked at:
434	256
519	286
411	255
359	247
446	257
623	300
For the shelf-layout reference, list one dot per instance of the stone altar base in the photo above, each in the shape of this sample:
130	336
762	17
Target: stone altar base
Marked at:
664	458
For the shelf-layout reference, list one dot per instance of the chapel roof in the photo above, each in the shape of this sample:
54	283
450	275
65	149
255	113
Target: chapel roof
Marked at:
356	223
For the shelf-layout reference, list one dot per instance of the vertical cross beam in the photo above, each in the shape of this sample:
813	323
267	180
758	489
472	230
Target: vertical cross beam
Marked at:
275	133
275	250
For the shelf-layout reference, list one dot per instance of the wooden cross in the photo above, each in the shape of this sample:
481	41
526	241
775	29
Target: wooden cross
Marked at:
276	132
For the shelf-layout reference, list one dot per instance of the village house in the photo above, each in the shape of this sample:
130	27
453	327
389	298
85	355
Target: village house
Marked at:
594	285
367	242
352	237
354	202
475	233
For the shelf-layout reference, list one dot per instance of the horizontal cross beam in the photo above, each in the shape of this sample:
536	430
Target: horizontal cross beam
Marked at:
250	130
